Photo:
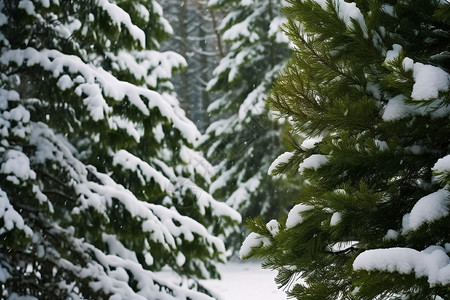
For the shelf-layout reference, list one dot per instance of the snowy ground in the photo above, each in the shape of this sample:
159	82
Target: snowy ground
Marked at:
244	281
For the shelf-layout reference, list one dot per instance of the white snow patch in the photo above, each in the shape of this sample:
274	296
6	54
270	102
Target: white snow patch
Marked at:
276	31
253	240
28	6
254	103
348	11
396	109
119	16
273	227
408	64
342	246
374	89
314	161
427	209
429	81
389	9
181	259
4	274
142	169
281	159
243	193
393	54
17	166
3	19
382	145
335	218
11	218
65	82
391	235
442	165
294	217
432	262
311	142
19	114
244	281
158	132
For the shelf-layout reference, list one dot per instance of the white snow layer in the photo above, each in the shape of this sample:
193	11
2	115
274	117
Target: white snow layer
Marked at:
244	281
99	84
163	225
309	143
294	217
274	227
16	166
281	159
253	240
119	16
441	168
335	218
110	273
28	6
159	64
397	109
347	12
442	165
11	218
432	262
142	169
254	103
315	161
243	193
276	31
427	210
391	235
429	81
393	54
204	200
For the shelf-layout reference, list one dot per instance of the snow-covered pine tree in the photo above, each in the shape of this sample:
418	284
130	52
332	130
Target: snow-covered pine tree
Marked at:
368	83
243	139
100	187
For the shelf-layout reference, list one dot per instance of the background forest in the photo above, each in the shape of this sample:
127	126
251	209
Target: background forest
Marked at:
150	136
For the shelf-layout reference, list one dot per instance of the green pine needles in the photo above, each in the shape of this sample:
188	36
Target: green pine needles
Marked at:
367	95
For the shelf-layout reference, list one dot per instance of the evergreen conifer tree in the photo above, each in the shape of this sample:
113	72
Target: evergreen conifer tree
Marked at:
100	187
368	83
243	137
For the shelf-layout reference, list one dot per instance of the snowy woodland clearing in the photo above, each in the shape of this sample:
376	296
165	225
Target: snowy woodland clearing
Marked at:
244	281
143	143
240	280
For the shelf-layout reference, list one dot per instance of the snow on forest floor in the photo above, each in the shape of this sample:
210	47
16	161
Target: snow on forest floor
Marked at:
239	281
244	281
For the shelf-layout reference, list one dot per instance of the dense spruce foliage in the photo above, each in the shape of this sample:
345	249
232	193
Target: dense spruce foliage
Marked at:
100	187
368	84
